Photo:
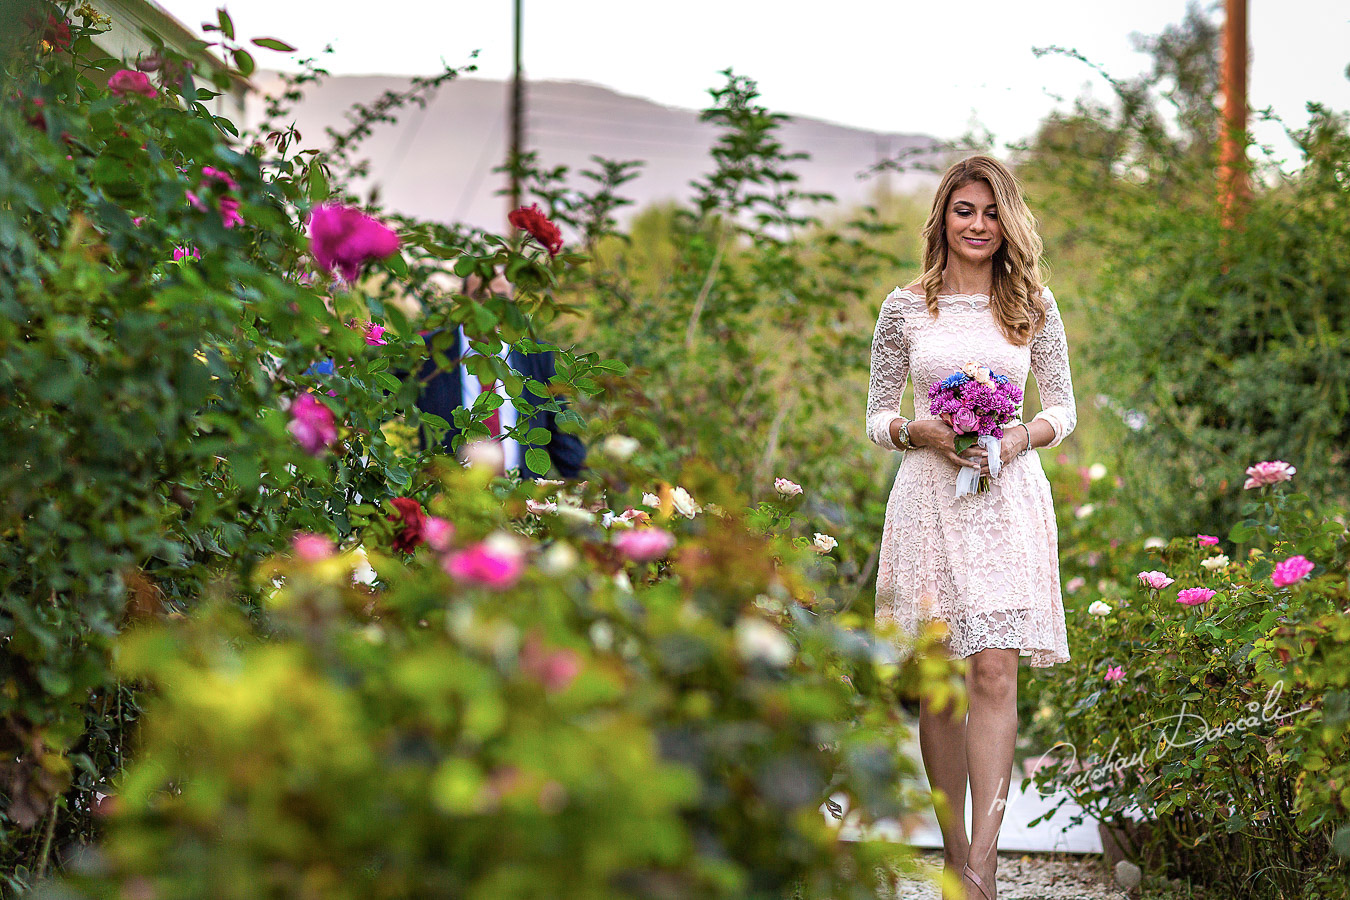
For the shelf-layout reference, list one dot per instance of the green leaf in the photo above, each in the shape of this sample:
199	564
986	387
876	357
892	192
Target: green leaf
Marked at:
1241	533
318	182
243	60
398	266
226	23
435	421
274	44
1341	842
538	460
539	436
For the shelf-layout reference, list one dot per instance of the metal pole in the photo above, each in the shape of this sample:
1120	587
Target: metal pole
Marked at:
517	114
1233	184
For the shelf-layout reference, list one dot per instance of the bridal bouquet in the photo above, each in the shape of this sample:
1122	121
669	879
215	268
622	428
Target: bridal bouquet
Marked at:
976	403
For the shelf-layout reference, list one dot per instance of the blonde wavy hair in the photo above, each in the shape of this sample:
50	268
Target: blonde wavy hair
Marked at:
1015	296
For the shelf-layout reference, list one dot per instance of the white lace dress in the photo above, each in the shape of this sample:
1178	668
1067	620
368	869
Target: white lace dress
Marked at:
987	565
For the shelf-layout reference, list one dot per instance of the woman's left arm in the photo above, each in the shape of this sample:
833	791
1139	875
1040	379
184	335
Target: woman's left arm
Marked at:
1050	365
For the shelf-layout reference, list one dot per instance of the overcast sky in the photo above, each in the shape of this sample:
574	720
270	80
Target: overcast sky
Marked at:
904	65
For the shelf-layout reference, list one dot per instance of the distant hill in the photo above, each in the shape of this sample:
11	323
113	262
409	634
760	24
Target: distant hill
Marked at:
436	163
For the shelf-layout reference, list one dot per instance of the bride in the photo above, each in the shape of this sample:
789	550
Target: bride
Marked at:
985	565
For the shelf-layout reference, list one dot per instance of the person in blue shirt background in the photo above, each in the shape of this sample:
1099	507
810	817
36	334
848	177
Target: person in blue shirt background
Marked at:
444	391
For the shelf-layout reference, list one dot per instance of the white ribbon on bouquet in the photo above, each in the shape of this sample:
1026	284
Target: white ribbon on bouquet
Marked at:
968	479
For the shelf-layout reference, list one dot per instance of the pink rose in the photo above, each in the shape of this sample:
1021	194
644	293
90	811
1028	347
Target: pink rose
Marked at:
128	81
1206	540
1115	673
1269	472
312	424
345	238
496	563
644	544
312	547
1295	568
437	532
1075	584
375	335
787	487
229	212
211	172
964	421
1194	596
631	516
1156	580
182	253
554	669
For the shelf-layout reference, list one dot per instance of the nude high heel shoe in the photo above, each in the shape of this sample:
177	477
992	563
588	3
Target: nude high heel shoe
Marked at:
968	872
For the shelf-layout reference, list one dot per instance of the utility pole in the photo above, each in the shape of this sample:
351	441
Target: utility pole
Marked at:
517	116
1234	187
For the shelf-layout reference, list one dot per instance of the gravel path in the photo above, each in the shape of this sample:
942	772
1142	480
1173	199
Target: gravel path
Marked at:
1026	877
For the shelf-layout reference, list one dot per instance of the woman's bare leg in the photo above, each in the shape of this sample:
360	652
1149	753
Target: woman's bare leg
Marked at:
991	732
942	742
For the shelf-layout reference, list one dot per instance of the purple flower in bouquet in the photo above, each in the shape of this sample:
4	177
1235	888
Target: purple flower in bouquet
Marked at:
976	402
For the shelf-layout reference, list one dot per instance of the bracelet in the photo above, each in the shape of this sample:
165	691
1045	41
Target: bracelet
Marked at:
1028	431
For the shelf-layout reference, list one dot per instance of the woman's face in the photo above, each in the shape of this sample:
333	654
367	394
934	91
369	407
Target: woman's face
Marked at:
973	230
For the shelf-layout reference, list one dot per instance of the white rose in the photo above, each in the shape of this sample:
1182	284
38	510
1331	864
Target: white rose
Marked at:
683	503
619	446
485	454
501	543
1215	562
548	482
824	543
362	572
651	500
575	513
1153	542
1100	609
541	507
758	640
1084	511
558	558
1096	472
787	488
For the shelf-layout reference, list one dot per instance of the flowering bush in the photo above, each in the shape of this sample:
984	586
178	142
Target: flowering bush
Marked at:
1204	702
513	719
181	394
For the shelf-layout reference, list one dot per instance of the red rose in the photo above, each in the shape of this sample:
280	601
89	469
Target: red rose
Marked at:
532	219
409	521
56	32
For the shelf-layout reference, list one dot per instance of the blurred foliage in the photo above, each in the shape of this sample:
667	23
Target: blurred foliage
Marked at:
1214	343
602	728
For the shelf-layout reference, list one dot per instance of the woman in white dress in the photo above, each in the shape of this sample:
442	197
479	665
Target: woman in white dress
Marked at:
985	565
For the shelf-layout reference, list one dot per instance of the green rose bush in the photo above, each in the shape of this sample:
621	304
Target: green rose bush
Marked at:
1204	713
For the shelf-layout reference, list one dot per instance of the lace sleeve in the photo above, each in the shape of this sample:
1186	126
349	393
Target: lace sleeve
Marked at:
1050	365
890	369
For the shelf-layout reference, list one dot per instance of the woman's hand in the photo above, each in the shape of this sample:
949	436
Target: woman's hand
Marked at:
1010	447
938	435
